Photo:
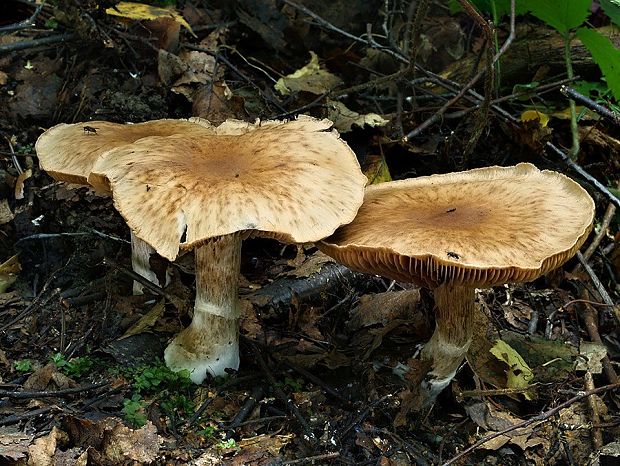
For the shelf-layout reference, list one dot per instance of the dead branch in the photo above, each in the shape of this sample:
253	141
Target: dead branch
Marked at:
538	418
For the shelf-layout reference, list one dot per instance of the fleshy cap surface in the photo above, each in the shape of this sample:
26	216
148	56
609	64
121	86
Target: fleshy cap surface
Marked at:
68	152
480	227
295	181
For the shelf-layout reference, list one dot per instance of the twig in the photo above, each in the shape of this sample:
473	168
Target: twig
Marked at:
25	24
597	435
311	459
597	184
599	286
595	107
538	418
317	381
494	392
15	418
50	393
292	408
249	405
28	44
602	232
139	278
437	115
590	319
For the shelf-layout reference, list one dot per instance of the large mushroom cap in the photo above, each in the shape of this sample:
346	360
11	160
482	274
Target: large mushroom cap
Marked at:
480	227
293	180
68	151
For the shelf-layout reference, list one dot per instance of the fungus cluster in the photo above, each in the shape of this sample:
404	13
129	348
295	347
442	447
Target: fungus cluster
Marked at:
455	232
211	187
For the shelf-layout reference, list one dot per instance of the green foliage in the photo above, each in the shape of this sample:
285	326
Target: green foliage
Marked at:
208	432
75	367
227	444
178	404
134	411
150	379
562	15
51	23
25	365
612	9
605	54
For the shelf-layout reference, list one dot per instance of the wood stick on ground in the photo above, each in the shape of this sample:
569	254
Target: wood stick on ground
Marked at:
602	232
597	184
312	459
595	107
50	393
599	286
538	418
590	319
290	405
597	435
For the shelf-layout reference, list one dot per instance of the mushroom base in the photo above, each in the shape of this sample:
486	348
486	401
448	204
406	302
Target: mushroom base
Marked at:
210	344
207	348
446	350
140	263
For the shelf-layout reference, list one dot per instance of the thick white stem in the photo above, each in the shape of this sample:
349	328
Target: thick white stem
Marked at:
446	350
140	255
210	344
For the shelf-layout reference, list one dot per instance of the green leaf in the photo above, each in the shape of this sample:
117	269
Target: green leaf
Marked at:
612	9
562	15
606	56
519	373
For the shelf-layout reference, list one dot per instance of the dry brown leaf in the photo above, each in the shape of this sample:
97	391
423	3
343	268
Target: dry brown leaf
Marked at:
13	444
313	264
122	444
6	215
147	321
42	451
19	183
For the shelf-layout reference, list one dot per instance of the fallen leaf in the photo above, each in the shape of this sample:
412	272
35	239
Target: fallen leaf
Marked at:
311	265
140	12
376	170
590	357
311	78
122	443
19	183
6	215
344	118
535	115
13	444
147	321
42	451
9	270
518	374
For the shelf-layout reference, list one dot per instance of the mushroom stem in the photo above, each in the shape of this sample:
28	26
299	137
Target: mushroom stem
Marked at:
210	344
140	254
446	350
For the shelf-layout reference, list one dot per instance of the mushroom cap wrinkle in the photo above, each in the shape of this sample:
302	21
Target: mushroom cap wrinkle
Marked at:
291	180
68	151
480	227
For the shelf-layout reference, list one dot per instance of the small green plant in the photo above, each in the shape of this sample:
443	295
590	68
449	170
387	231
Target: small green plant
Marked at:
75	367
208	432
25	365
134	411
51	23
227	444
148	379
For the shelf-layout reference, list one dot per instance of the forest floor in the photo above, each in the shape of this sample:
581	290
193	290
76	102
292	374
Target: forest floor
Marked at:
325	352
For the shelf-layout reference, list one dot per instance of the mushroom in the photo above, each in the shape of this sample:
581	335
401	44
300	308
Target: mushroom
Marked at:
68	151
454	232
293	181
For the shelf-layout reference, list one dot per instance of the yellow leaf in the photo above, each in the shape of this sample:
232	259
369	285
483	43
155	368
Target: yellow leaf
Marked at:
519	373
310	78
535	115
140	12
376	170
